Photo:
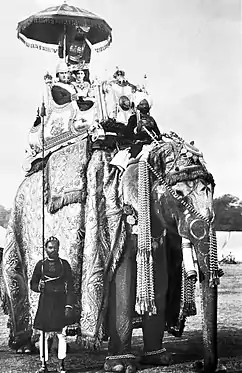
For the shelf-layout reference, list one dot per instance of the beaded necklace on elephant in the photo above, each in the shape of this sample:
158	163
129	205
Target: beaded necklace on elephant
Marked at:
213	257
145	298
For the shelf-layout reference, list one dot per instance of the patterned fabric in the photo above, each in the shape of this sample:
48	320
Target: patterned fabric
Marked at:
66	176
24	248
104	246
92	266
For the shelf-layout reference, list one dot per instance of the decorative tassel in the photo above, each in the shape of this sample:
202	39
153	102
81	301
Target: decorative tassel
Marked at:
145	298
213	258
188	304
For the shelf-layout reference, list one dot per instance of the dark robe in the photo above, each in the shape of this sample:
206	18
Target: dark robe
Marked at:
58	293
141	137
60	95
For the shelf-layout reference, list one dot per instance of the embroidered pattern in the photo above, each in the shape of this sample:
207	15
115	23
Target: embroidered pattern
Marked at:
57	127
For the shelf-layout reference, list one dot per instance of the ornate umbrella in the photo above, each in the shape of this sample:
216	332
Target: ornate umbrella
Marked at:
44	29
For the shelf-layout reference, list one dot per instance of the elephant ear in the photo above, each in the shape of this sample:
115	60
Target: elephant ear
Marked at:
129	185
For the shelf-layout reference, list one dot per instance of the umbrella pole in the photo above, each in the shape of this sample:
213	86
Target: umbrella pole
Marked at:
43	114
64	44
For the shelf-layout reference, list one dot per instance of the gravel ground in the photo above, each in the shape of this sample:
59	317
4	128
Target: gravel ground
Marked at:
185	351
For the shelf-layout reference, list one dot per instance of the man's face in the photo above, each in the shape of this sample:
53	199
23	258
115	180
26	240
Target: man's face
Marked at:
80	75
120	78
64	77
52	249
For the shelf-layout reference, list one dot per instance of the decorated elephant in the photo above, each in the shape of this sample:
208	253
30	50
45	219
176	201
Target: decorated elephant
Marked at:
168	199
100	216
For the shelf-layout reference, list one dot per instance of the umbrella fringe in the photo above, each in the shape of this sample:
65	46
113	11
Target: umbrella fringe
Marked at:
37	45
52	48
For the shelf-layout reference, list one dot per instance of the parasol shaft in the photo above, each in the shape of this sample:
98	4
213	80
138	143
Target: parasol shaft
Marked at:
43	114
100	102
64	44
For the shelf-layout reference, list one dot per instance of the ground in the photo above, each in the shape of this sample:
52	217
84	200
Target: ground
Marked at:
185	350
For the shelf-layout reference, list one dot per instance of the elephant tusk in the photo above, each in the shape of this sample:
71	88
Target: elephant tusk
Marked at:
188	260
187	215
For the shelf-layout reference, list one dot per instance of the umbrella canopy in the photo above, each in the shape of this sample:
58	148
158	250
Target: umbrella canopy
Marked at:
44	29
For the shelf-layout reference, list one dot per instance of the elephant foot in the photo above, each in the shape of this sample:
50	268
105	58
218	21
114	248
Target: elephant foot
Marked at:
159	357
199	367
121	364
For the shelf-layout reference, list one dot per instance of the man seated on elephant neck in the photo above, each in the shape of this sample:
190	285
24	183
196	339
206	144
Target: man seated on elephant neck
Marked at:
142	126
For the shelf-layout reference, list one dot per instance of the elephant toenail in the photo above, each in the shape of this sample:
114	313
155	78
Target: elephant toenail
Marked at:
130	369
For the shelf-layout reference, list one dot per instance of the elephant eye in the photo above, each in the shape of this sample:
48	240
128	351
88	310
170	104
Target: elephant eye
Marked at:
179	192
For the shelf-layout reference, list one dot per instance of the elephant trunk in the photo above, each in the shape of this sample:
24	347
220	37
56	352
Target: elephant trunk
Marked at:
203	237
209	305
209	299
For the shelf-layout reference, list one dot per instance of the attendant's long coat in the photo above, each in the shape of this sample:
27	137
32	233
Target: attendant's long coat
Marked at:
58	293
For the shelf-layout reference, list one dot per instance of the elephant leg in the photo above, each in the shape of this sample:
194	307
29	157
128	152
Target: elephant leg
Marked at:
154	326
120	312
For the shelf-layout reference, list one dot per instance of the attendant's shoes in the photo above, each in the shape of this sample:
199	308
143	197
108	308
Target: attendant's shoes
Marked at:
61	368
24	350
20	350
43	370
27	349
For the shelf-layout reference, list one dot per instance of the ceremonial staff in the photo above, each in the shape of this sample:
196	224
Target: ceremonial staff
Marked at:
43	114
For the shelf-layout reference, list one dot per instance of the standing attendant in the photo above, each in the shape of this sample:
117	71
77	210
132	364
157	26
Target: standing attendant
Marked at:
52	278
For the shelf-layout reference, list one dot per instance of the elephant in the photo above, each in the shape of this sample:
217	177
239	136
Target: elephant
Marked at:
96	215
179	199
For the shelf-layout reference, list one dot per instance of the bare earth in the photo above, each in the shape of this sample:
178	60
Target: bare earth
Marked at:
185	350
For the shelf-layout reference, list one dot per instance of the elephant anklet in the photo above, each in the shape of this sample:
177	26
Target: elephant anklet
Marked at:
118	357
157	357
157	352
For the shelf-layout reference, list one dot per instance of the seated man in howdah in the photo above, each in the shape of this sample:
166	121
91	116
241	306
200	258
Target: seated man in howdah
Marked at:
64	91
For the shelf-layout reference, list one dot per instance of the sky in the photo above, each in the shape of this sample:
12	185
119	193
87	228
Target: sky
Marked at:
191	52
